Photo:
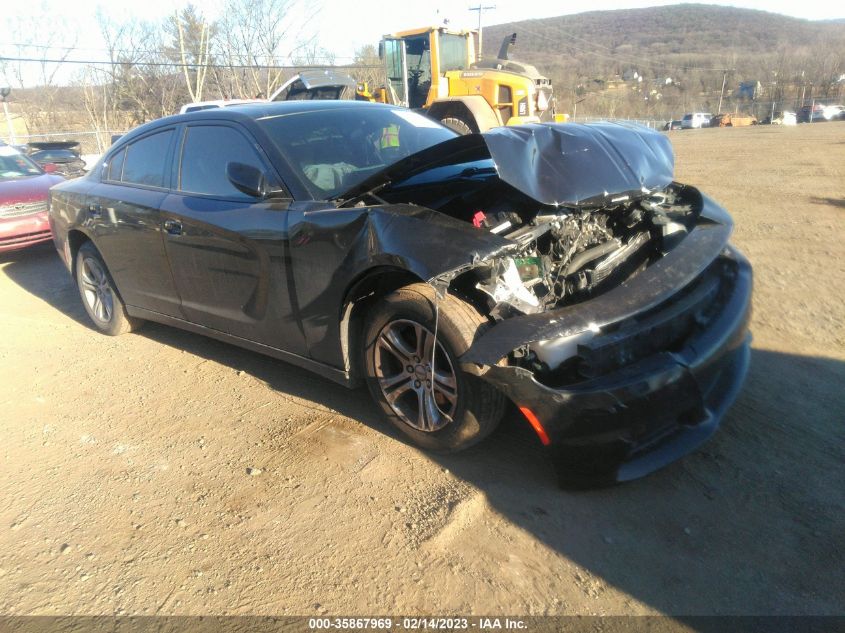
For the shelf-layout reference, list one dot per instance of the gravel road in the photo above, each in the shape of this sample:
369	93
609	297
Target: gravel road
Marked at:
164	473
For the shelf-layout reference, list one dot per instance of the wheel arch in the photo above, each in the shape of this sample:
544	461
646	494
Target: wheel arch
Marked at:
362	293
75	239
474	109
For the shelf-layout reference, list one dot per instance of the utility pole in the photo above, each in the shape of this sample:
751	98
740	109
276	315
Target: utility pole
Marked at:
481	9
722	94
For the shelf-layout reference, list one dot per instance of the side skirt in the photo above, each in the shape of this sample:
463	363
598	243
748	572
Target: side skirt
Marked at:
332	373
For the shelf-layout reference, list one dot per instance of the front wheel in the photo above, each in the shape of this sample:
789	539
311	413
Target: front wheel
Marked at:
413	374
459	125
97	290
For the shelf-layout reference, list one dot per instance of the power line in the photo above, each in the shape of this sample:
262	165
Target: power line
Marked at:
113	51
178	64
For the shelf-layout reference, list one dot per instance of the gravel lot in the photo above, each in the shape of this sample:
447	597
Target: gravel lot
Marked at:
164	473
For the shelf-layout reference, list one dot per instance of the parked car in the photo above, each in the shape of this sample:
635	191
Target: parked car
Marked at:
732	120
24	186
695	120
781	118
451	274
811	113
63	154
316	84
673	125
833	112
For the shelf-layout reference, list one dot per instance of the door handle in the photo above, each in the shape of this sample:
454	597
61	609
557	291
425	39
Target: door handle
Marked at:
173	227
95	210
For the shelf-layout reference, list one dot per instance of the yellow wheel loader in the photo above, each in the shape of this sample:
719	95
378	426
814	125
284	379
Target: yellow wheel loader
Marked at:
435	69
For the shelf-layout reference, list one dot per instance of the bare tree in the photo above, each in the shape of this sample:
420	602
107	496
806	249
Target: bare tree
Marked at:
259	36
367	67
191	36
37	37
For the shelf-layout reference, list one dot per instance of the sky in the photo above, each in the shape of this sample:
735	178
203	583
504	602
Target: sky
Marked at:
337	31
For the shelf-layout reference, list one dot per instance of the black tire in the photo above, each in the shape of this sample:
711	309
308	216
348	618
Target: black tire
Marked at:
475	408
99	294
458	124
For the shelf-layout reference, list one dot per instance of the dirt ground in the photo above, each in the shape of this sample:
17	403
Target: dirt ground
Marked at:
164	473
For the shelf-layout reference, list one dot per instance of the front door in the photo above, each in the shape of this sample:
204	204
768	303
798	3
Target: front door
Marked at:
227	250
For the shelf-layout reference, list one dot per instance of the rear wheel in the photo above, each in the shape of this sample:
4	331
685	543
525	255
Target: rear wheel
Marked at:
97	290
413	374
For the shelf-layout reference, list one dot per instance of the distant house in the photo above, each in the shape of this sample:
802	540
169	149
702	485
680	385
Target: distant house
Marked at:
749	90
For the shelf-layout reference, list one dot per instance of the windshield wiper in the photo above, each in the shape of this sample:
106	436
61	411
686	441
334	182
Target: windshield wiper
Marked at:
351	202
472	171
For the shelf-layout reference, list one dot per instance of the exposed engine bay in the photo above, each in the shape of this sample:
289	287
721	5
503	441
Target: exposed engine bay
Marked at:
563	255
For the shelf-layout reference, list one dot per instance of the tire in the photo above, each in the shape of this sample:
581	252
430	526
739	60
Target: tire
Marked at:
446	415
459	125
99	294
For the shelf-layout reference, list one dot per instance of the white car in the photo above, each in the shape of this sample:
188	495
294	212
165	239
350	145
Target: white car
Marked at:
833	112
783	118
220	103
694	120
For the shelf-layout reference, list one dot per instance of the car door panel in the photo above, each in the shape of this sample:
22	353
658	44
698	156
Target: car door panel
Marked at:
127	232
229	264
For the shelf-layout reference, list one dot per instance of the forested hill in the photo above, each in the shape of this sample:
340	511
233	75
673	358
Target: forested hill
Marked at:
688	43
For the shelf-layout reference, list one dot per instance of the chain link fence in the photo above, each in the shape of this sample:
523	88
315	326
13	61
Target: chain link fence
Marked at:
90	142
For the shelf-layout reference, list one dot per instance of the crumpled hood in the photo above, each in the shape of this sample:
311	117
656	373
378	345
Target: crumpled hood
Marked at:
568	164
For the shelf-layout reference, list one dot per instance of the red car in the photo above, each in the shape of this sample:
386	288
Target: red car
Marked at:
24	189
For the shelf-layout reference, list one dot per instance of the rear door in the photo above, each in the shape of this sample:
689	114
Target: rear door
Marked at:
227	250
123	216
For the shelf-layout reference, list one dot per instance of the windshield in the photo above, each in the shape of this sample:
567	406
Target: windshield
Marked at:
453	52
335	149
16	165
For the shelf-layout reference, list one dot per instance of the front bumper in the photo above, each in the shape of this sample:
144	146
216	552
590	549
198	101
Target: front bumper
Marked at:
24	231
642	402
627	423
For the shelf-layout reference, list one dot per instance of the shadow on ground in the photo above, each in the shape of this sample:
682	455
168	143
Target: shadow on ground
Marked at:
751	523
834	202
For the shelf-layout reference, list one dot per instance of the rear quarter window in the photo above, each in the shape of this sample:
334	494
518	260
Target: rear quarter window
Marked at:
146	159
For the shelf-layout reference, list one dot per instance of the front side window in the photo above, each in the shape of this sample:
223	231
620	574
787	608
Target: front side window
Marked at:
145	160
206	152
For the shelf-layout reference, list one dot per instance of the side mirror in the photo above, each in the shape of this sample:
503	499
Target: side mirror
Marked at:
49	168
381	50
247	179
252	181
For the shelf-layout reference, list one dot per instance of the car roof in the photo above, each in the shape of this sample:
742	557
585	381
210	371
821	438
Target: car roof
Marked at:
249	112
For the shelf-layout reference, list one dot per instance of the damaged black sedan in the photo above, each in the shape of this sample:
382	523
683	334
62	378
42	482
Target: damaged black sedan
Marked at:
557	267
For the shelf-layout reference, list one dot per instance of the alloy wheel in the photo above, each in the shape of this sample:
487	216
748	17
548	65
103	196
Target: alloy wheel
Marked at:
415	375
97	290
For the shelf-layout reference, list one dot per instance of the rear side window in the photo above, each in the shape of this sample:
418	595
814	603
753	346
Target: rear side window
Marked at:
145	160
206	152
116	166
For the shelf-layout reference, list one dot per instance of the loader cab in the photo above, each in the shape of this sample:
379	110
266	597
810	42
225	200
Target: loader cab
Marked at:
417	61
